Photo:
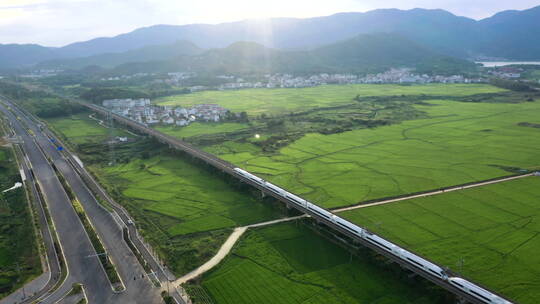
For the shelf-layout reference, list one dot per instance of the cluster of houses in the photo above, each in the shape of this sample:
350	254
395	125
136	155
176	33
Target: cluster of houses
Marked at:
42	73
177	78
143	111
402	75
405	75
127	77
271	81
506	72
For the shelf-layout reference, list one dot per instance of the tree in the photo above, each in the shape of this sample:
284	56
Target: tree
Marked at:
244	117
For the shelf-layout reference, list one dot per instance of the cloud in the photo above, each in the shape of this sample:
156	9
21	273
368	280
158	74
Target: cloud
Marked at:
58	22
18	3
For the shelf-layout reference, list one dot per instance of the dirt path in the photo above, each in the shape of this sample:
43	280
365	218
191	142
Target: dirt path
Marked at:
238	232
222	253
393	200
287	219
226	248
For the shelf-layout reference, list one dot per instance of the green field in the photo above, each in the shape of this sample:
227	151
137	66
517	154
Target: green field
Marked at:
489	234
280	101
196	199
459	142
19	255
197	128
80	129
289	263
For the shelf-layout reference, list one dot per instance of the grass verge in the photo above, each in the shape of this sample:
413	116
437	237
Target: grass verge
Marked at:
19	252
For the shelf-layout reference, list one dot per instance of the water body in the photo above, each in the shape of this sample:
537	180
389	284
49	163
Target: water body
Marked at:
491	64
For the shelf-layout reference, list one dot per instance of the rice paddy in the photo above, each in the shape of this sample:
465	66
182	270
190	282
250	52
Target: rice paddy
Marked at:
280	101
289	263
489	234
80	129
459	142
197	128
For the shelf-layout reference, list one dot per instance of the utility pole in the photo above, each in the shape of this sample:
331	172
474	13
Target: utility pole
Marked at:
110	122
19	278
460	265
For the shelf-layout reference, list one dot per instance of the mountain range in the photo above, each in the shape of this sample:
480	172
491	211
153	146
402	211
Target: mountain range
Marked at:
508	34
361	54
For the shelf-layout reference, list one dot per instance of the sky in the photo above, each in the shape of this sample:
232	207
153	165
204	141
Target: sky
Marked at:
60	22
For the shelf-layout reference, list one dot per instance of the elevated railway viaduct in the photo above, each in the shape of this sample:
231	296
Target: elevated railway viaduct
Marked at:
228	168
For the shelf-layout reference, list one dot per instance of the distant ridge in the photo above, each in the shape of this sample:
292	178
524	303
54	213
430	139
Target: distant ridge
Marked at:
361	54
508	34
109	60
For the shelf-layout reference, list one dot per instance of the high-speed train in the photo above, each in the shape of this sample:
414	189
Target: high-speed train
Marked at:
472	289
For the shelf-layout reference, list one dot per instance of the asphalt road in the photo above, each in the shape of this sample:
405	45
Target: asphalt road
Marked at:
53	262
160	272
139	289
74	241
83	264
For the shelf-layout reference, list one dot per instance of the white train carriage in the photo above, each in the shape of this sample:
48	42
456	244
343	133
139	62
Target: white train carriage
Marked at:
320	211
250	176
424	264
476	291
302	202
348	226
384	244
274	188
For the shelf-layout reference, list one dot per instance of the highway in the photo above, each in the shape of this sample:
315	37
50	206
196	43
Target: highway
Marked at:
161	273
74	241
52	257
82	263
88	187
229	168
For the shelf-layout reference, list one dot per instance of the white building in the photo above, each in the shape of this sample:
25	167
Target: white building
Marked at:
168	121
128	102
182	122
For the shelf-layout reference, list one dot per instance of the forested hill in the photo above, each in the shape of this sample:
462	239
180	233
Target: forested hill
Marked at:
109	60
362	54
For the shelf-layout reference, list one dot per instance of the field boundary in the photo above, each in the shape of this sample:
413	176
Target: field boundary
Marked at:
414	195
